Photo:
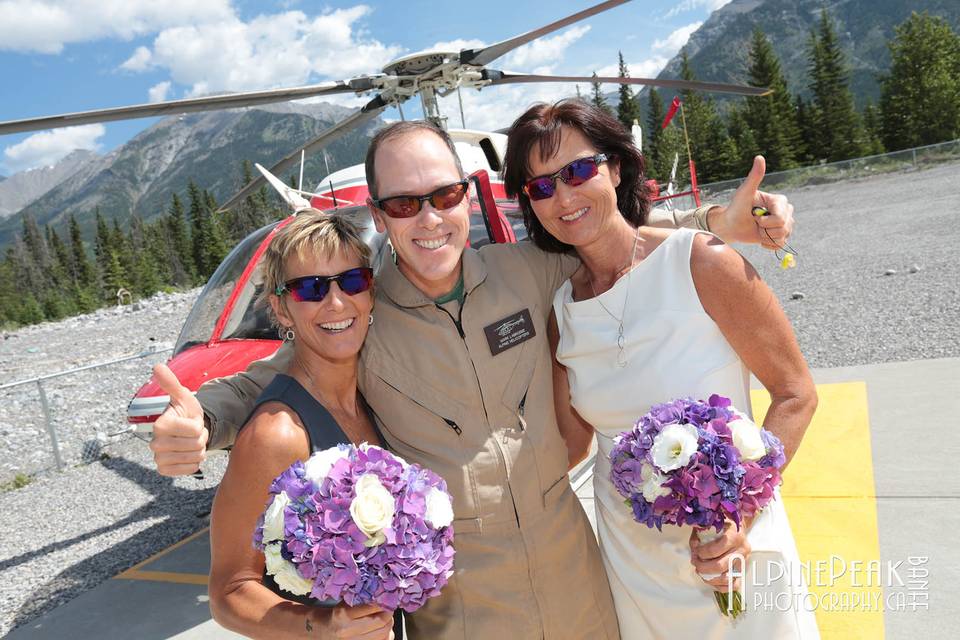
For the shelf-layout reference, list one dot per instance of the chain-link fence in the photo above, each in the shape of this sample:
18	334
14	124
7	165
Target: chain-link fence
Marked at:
65	418
908	159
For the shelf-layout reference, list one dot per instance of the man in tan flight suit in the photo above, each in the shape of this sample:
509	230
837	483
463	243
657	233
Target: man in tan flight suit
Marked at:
457	370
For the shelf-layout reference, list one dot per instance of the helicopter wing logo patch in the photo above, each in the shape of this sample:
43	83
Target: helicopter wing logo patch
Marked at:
509	332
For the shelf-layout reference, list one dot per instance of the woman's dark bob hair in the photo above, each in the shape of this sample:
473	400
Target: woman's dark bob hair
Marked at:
540	127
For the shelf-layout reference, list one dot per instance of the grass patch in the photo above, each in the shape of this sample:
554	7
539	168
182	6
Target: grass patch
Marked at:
19	481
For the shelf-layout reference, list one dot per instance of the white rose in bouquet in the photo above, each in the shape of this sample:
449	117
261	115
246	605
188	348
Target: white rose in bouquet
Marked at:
285	573
372	508
747	440
317	467
273	518
439	511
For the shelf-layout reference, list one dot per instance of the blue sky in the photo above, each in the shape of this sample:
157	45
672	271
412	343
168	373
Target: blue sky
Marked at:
59	56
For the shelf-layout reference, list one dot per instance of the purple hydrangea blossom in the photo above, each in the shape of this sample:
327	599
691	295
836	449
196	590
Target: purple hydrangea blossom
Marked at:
325	544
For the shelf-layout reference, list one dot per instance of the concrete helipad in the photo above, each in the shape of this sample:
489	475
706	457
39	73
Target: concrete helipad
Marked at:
872	497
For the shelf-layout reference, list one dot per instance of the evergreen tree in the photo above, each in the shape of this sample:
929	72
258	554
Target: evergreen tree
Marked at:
183	271
32	258
55	303
84	278
807	126
9	293
143	273
920	97
628	110
873	130
713	150
120	244
840	135
654	153
208	245
101	245
771	118
744	138
597	95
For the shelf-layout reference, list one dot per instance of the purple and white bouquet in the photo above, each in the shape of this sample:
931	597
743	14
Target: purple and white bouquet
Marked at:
358	525
690	462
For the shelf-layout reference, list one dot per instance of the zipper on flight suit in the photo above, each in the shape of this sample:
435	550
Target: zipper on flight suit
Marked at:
500	454
463	338
523	402
453	425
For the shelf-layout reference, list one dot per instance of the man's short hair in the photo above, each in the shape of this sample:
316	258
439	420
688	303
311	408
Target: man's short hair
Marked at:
396	130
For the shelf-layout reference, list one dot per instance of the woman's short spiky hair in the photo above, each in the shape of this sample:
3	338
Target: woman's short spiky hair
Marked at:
311	233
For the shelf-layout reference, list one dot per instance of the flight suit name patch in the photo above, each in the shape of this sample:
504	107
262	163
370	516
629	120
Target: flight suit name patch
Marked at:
509	332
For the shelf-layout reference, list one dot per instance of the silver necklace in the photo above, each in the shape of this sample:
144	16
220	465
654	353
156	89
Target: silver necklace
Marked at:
621	356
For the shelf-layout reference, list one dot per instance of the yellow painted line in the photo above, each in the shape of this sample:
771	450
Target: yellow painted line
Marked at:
135	572
829	493
164	576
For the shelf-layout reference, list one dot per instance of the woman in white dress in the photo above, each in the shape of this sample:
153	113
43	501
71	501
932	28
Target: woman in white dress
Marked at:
650	316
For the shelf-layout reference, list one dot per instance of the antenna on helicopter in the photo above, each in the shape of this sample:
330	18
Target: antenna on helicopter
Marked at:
303	160
463	122
333	194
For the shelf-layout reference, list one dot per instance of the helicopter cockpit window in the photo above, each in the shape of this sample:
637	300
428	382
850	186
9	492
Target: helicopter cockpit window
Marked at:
198	329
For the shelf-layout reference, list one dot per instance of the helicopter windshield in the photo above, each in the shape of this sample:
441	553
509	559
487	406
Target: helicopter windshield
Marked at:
198	329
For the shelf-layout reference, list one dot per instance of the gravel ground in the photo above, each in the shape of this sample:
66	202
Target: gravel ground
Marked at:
120	511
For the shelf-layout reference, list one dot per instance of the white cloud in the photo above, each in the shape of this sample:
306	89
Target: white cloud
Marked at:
159	92
458	44
47	147
675	41
45	26
497	107
542	53
648	68
139	61
690	5
283	49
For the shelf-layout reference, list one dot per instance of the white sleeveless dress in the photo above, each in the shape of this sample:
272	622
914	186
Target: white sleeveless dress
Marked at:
673	349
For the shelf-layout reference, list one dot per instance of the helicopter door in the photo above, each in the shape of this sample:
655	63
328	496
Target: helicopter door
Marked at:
498	227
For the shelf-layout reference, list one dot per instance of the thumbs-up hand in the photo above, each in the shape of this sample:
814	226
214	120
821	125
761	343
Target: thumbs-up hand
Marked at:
736	222
179	442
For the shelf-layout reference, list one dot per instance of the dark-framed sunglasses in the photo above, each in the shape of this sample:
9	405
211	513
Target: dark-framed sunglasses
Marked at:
574	174
408	206
316	288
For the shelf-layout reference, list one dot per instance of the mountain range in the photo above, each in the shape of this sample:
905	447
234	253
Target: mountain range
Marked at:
718	51
209	148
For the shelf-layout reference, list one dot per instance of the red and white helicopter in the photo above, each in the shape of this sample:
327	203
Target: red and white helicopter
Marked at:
225	331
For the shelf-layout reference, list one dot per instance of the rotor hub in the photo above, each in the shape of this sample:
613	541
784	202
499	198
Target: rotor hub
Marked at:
417	64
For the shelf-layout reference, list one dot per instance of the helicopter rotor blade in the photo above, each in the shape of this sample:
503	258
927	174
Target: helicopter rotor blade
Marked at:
506	77
187	105
486	55
369	111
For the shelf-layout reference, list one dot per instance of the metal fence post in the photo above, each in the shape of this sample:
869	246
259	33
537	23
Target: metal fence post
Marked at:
914	157
49	423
